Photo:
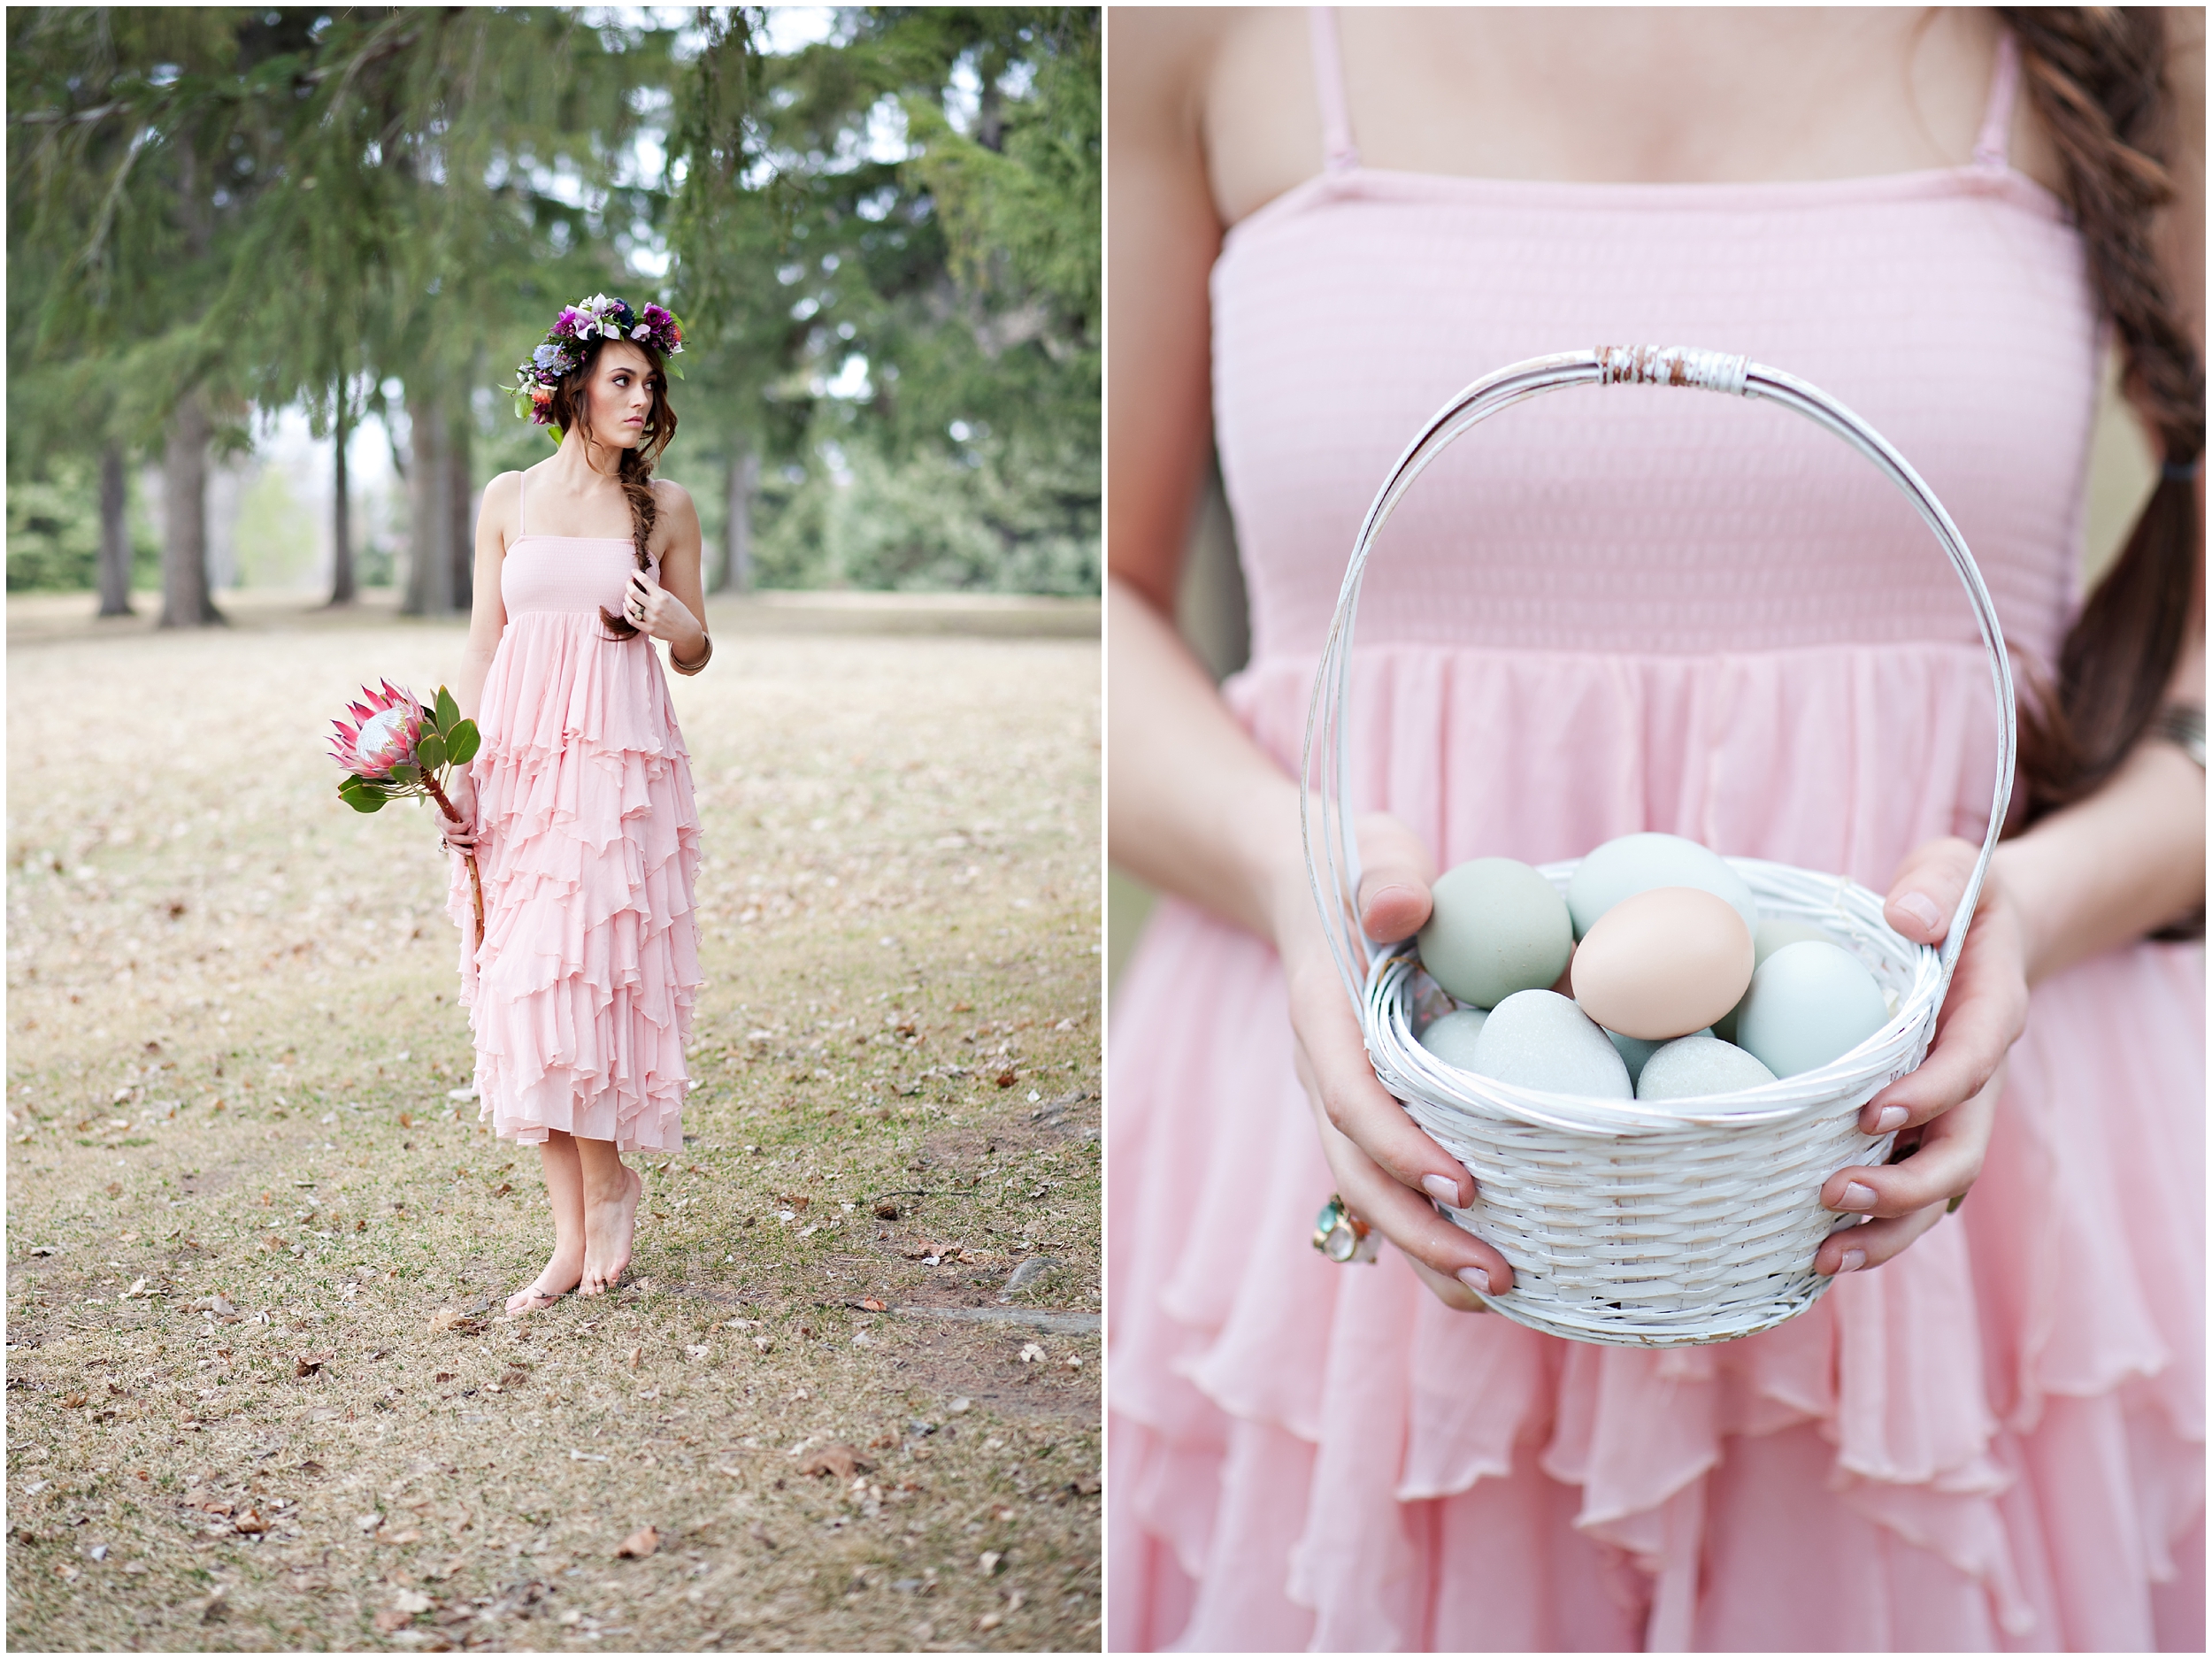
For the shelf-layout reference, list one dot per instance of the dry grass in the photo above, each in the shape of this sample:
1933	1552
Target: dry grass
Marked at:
233	1033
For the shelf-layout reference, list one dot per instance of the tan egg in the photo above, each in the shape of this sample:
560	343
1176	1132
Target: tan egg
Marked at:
1664	963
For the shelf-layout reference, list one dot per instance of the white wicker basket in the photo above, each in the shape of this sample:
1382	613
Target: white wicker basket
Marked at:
1643	1224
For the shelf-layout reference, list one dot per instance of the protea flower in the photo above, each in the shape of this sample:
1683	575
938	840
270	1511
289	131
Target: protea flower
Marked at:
397	747
386	724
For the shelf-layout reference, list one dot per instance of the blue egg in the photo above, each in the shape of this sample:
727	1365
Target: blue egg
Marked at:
1808	1003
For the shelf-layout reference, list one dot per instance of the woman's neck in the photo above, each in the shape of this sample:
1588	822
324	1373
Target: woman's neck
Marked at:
582	466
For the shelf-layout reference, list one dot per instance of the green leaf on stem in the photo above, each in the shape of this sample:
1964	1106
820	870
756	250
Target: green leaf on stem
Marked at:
361	794
462	743
449	712
430	752
407	773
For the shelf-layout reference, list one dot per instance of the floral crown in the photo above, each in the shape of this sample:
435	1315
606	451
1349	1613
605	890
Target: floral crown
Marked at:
563	348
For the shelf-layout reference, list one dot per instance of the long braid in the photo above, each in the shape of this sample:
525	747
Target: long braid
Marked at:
2096	78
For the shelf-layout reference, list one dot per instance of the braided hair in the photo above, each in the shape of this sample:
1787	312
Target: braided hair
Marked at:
570	411
2096	77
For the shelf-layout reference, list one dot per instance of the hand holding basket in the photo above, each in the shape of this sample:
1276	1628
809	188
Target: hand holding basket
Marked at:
1625	1222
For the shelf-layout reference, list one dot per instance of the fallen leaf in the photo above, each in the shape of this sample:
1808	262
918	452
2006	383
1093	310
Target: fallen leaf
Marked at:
408	1537
115	1189
1032	1354
989	1561
989	1621
455	1320
391	1619
407	1120
639	1545
637	1357
1087	1487
308	1364
71	1402
369	1523
840	1460
249	1521
412	1601
1005	1079
873	1306
503	1189
886	1211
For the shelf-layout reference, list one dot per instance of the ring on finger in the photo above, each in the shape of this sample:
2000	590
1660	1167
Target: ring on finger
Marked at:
1342	1236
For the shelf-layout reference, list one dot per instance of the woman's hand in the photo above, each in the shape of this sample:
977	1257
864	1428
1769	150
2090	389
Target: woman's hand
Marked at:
461	790
653	610
1944	1111
1385	1168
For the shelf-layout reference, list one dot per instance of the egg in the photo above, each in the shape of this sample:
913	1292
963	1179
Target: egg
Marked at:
1662	964
1495	927
1630	864
1809	1002
1635	1051
1700	1064
1451	1037
1539	1040
1771	934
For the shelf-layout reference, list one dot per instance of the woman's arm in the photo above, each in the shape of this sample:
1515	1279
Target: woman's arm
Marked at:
675	607
488	612
2130	858
487	620
1195	807
2108	869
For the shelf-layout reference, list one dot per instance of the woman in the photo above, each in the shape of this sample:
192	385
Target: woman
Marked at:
1670	611
579	805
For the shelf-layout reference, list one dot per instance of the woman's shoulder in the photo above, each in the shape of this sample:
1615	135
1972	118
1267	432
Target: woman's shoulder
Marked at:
503	490
671	497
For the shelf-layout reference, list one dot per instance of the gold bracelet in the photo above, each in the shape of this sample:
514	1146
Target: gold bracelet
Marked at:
693	668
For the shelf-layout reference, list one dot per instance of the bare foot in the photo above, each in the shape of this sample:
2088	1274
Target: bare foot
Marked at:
561	1275
608	1230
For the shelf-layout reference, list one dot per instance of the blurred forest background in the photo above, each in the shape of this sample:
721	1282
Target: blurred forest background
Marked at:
271	267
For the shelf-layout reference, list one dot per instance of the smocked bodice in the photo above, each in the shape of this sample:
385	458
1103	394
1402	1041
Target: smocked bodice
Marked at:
1950	309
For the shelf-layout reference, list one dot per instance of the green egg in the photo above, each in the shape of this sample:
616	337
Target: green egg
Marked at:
1772	934
1496	927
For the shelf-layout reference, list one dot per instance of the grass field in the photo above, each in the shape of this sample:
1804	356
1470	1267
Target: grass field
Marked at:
260	1390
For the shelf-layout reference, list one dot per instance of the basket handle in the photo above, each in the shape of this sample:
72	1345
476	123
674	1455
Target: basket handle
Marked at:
1331	850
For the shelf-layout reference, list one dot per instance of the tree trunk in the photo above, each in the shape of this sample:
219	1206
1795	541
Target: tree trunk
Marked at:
429	508
115	535
736	575
341	589
462	532
185	600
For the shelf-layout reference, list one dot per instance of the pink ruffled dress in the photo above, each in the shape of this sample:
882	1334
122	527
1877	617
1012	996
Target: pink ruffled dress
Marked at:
581	993
1644	608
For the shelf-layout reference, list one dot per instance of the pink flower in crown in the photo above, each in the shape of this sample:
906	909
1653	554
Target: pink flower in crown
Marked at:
386	726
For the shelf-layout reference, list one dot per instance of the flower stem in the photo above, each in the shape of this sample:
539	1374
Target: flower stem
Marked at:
476	883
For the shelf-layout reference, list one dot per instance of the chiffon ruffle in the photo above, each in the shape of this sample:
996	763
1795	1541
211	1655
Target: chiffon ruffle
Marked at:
581	995
1993	1441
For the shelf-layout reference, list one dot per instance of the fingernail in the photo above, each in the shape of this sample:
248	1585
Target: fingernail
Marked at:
1890	1117
1859	1195
1475	1279
1853	1261
1442	1188
1922	909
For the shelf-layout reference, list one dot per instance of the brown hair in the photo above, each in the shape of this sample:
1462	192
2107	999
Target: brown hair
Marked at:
570	411
2096	77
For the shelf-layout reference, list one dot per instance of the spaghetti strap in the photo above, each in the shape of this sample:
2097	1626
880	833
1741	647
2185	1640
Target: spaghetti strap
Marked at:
1993	144
1339	153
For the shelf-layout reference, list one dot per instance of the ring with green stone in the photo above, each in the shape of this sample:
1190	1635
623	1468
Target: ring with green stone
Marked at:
1342	1236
